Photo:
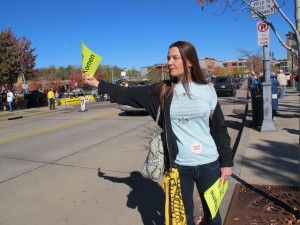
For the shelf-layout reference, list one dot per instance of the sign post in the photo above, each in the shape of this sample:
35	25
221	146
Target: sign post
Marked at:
263	33
265	7
263	37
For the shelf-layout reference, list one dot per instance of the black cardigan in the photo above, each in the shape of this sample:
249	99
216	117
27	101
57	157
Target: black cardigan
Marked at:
146	97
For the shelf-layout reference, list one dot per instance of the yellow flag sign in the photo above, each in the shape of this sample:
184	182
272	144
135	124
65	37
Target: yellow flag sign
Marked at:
174	208
90	60
214	196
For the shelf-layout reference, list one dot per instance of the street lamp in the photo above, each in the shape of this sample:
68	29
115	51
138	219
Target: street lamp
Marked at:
123	74
24	85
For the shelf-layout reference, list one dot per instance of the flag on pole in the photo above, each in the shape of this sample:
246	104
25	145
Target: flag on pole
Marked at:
90	60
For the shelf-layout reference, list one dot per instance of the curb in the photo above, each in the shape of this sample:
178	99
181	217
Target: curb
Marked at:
14	118
40	111
238	160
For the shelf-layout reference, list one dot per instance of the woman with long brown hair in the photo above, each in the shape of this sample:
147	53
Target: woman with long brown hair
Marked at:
195	136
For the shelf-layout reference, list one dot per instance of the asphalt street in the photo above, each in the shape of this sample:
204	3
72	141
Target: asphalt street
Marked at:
49	164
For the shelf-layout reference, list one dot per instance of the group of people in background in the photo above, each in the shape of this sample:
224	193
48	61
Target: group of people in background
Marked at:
254	79
52	98
9	100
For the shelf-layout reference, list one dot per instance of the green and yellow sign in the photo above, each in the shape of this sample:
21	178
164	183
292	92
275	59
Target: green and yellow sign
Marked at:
90	60
214	196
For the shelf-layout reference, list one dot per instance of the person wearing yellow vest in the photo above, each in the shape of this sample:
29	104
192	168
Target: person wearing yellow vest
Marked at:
124	83
50	96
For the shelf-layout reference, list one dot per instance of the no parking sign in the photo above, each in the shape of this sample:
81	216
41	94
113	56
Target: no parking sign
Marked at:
263	33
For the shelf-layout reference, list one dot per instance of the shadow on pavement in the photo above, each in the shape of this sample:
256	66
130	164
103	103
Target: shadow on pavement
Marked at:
146	195
292	131
277	159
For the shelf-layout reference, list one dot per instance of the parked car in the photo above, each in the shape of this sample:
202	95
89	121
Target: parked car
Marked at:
129	110
225	85
237	82
102	97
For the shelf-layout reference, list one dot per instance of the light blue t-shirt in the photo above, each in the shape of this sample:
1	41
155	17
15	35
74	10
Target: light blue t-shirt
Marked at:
190	123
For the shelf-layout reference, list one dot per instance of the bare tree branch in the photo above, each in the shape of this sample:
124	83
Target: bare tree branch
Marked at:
284	16
265	19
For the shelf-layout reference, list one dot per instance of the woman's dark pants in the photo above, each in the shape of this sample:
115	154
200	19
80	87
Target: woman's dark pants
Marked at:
203	176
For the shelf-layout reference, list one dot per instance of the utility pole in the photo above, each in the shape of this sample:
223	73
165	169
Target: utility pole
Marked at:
297	19
268	123
263	32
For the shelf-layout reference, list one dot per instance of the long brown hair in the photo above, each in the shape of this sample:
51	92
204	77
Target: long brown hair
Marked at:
187	53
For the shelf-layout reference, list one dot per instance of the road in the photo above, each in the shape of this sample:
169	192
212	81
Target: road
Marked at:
49	166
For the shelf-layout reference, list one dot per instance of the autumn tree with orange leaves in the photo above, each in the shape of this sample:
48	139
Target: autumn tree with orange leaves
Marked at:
52	82
16	58
35	84
75	79
219	71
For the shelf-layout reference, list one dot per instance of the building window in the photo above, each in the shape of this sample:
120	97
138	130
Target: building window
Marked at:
234	64
225	64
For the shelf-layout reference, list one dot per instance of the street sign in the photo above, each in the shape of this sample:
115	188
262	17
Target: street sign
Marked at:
263	33
265	7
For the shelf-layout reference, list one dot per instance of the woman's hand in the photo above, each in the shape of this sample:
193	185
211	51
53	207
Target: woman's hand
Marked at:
225	173
87	79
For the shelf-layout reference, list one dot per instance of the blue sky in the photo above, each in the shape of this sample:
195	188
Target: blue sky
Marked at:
133	33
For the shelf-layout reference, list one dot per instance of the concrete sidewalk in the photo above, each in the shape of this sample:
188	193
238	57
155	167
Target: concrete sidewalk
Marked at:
266	158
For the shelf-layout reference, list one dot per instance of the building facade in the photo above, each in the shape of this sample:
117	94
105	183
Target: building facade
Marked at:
208	64
291	61
235	64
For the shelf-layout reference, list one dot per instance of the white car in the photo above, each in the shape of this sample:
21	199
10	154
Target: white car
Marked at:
129	110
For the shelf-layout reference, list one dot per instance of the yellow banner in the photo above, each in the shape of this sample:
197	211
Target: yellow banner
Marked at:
174	208
90	60
214	196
